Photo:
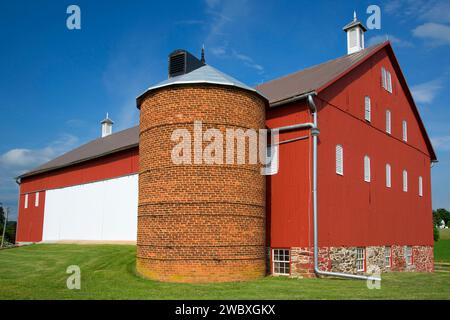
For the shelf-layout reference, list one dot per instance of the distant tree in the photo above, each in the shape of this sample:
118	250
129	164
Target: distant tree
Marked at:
441	215
2	218
436	234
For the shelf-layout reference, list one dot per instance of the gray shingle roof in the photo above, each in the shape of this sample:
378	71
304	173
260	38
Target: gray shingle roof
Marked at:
313	78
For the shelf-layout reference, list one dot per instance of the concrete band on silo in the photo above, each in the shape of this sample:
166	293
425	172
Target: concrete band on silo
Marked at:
199	223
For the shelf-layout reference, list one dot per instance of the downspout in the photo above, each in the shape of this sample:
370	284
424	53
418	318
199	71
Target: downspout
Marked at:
315	133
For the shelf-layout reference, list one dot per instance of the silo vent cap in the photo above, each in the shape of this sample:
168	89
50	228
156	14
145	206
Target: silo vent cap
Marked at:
182	62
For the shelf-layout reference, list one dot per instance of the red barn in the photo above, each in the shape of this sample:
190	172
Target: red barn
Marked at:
350	187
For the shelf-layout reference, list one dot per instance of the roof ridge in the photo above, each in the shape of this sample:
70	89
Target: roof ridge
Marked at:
323	63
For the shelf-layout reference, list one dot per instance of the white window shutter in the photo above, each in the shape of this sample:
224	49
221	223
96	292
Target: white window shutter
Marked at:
272	160
383	77
339	160
420	186
367	108
26	201
389	82
405	130
388	121
367	169
405	181
388	175
36	199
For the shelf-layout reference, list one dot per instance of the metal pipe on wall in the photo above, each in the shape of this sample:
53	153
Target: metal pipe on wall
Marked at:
317	270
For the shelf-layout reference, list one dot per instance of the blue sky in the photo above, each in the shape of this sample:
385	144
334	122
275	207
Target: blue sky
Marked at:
57	84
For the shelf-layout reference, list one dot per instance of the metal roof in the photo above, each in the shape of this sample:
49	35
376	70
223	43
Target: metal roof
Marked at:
313	78
115	142
204	74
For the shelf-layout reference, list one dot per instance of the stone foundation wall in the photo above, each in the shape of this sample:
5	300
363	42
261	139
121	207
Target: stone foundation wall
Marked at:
343	259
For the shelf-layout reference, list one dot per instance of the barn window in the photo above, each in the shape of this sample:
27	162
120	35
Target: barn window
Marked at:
339	160
386	80
26	201
405	130
387	257
281	262
420	187
388	175
366	168
367	107
36	200
389	81
405	181
353	38
388	121
408	255
360	259
271	168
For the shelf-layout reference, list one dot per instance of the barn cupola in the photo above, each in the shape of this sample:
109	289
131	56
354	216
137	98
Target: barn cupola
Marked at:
355	35
106	126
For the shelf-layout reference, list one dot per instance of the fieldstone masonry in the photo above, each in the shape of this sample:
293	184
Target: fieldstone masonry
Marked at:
343	259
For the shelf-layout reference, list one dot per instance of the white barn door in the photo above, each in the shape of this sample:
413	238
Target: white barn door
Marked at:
104	210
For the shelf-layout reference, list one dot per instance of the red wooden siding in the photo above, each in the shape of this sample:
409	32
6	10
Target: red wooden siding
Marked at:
351	211
289	200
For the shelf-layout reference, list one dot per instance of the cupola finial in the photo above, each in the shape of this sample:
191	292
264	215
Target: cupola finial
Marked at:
203	54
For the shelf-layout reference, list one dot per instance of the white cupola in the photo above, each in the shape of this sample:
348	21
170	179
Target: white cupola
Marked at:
355	35
106	126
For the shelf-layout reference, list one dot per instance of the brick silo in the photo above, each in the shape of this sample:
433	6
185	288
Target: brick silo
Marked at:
199	222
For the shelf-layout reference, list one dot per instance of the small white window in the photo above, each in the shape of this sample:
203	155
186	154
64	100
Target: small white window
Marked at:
281	262
405	181
367	108
387	257
388	175
408	255
26	201
36	200
271	167
420	187
389	81
383	78
339	160
405	130
366	168
360	259
388	121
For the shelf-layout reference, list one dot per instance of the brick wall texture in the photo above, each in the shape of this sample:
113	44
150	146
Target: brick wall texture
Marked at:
199	222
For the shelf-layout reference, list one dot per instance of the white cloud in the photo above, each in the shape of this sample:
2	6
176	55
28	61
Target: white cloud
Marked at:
24	159
441	143
19	160
423	10
247	61
437	34
426	92
396	41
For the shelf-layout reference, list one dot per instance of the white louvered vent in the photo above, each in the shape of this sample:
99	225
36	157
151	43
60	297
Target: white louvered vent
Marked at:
405	181
367	169
339	160
388	121
388	175
367	108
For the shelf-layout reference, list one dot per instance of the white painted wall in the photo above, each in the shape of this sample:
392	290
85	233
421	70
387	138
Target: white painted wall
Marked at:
105	210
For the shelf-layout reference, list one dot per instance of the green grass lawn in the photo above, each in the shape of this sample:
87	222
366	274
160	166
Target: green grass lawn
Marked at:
442	247
107	272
